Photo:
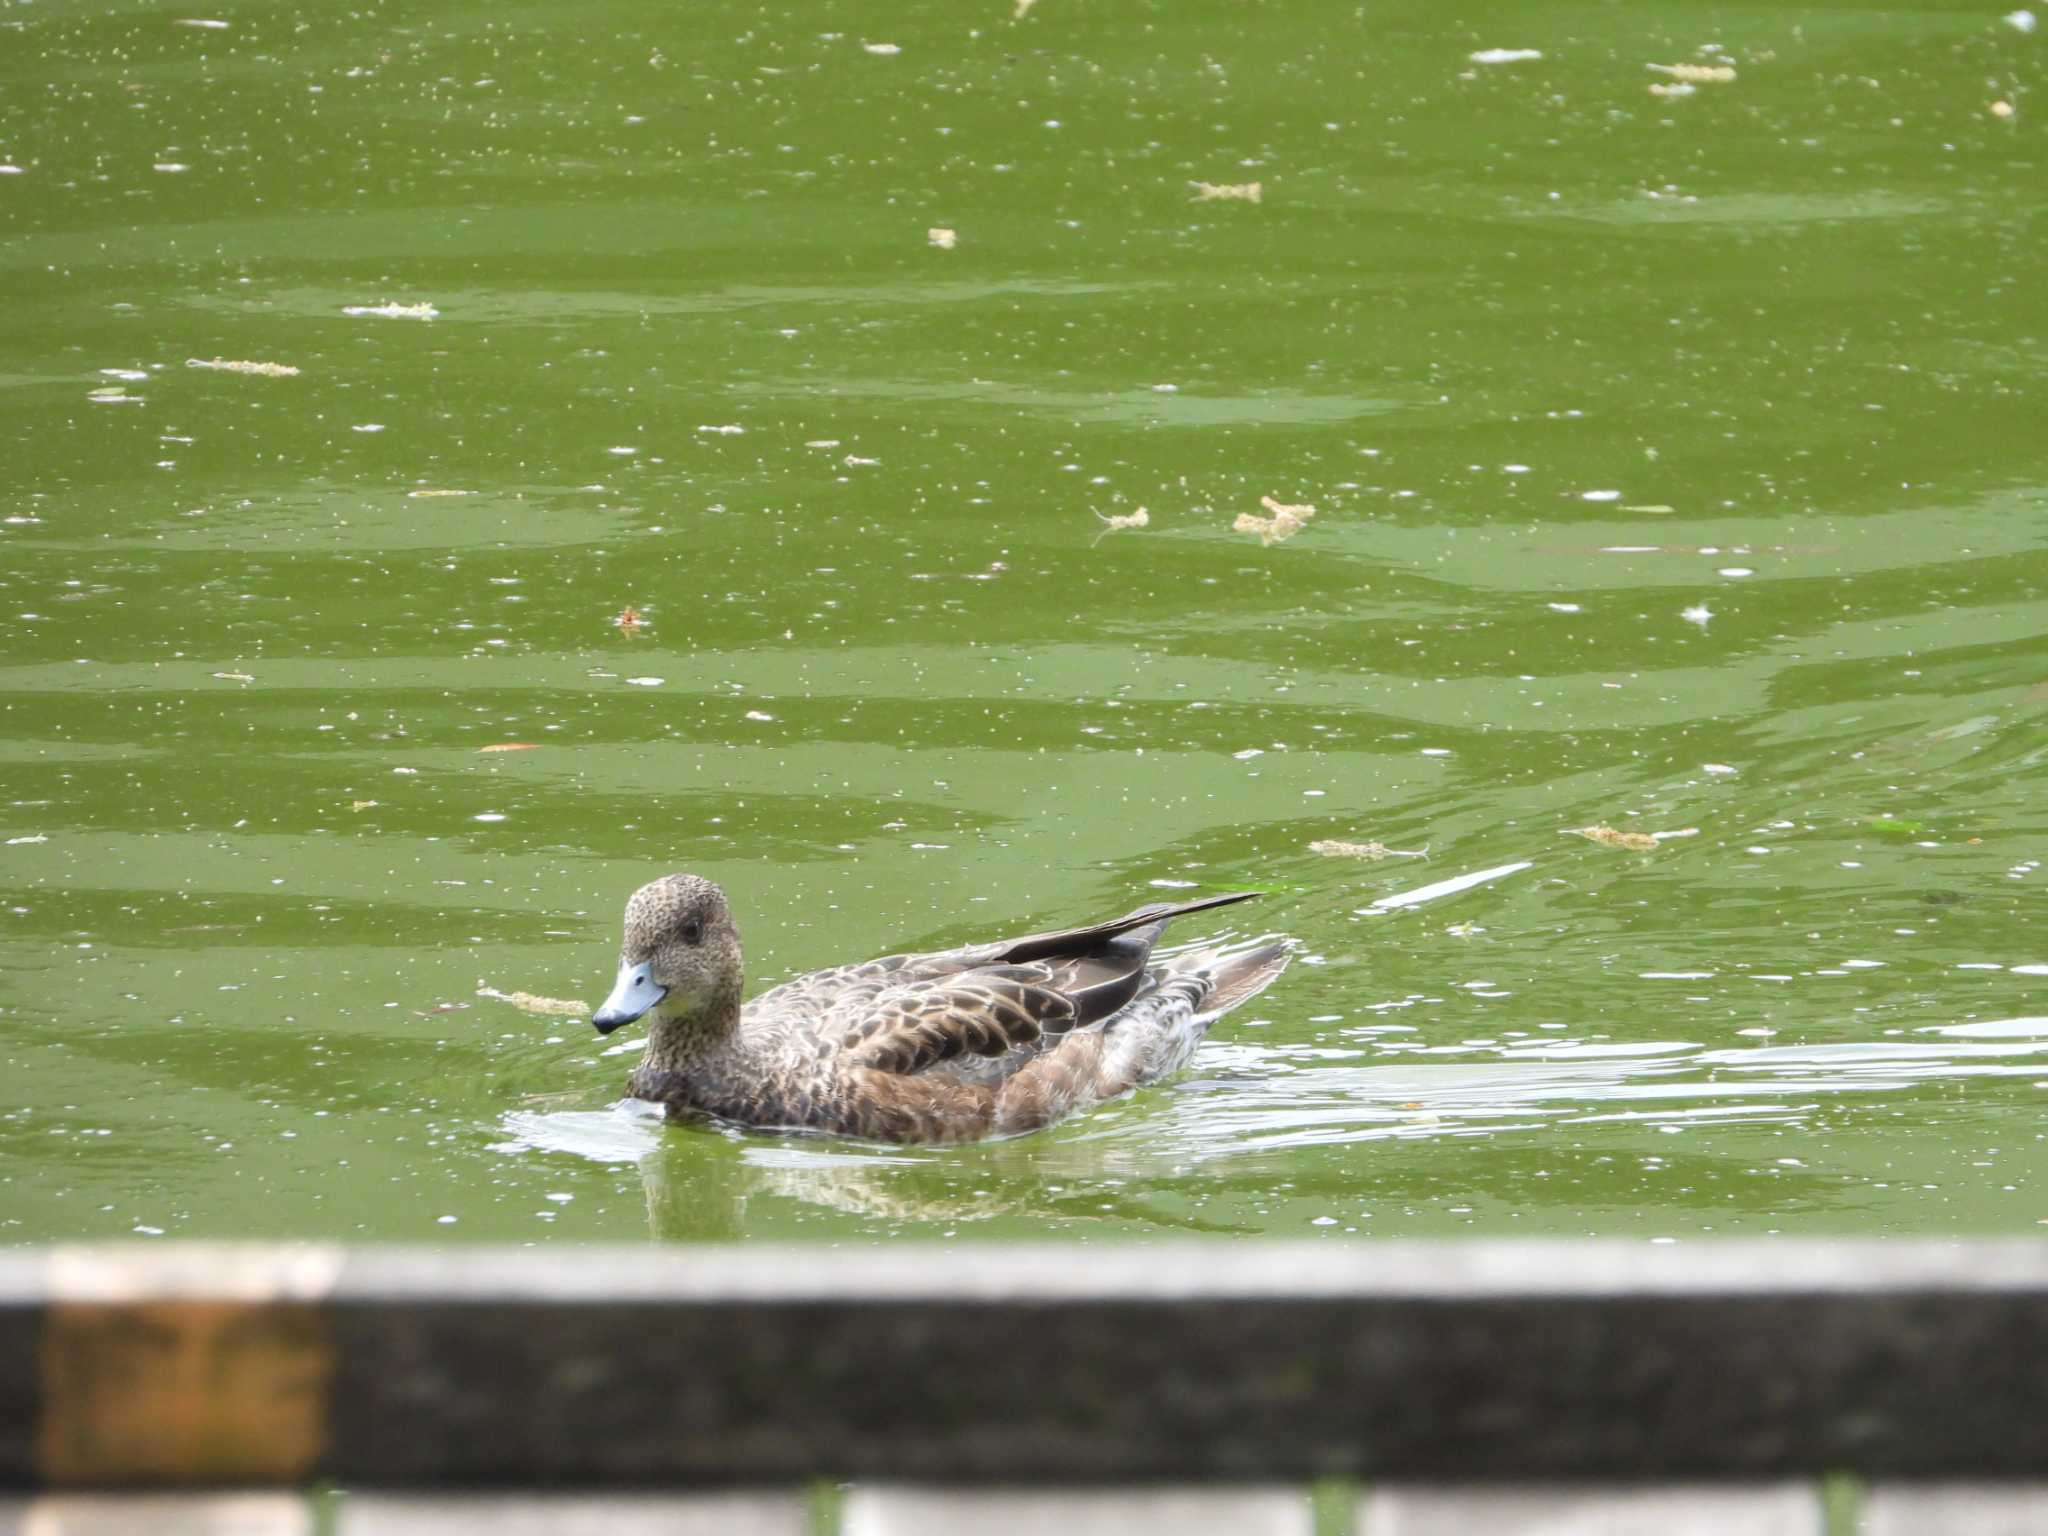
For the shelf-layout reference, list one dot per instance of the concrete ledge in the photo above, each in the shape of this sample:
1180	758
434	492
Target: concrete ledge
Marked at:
1779	1509
1957	1509
543	1514
478	1368
142	1514
903	1511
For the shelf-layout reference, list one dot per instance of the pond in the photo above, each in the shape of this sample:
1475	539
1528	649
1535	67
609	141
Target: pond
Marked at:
718	410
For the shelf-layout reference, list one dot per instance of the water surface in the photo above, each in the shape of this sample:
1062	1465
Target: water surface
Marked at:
1677	467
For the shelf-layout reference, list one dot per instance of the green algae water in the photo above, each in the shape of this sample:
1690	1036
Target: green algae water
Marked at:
718	409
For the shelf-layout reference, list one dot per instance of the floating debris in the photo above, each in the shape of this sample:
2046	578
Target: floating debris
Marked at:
234	677
1506	55
1697	74
1285	522
1336	848
423	492
1023	9
2021	21
1229	192
1681	89
531	1002
1138	519
1449	887
509	746
113	394
393	311
854	460
243	365
942	238
2002	110
1464	930
761	715
1698	613
1608	837
728	429
629	621
208	23
822	442
882	50
362	805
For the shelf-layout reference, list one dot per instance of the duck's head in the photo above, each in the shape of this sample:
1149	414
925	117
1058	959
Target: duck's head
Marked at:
680	958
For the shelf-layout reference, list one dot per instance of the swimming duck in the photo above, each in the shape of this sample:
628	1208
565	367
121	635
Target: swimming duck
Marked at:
986	1040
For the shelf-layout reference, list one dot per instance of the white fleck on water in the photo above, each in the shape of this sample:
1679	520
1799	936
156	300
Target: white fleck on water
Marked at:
1448	887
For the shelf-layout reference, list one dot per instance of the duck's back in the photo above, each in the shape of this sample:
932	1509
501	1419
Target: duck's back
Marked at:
994	1038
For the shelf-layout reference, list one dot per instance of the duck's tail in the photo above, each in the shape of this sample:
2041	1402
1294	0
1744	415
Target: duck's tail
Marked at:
1233	978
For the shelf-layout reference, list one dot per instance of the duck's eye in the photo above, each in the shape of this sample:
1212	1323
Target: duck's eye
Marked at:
693	932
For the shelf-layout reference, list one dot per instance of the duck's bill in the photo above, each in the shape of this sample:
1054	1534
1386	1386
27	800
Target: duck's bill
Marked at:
633	994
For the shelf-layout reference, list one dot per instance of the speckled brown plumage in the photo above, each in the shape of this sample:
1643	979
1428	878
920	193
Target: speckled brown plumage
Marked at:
986	1040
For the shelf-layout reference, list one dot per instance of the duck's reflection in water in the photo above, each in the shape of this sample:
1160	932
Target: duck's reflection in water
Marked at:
704	1184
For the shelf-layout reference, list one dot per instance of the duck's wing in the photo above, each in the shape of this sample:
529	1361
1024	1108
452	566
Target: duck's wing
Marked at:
1012	996
988	1011
1069	941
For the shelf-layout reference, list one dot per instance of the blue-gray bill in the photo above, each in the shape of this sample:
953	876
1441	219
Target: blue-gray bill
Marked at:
632	995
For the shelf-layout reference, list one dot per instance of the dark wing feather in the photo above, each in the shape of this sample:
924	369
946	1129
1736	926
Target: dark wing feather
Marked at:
907	1013
1067	941
996	1010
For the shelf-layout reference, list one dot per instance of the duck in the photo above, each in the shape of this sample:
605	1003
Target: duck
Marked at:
984	1041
